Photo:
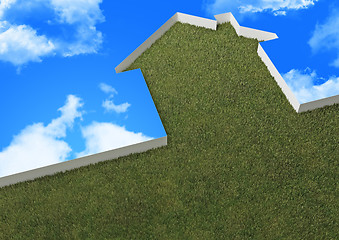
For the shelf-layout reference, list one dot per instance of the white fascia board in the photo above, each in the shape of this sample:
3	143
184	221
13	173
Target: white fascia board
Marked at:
178	17
245	31
197	21
318	103
83	161
146	44
228	17
278	78
257	34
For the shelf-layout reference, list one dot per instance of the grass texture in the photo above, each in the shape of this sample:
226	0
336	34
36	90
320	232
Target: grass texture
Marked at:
240	162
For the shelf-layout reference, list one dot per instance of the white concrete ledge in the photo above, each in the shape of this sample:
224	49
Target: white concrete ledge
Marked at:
145	45
245	31
299	108
228	17
178	17
318	103
279	79
197	21
241	31
257	34
83	161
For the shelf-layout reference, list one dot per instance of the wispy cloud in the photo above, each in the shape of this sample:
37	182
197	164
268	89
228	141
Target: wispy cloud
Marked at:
69	29
107	88
83	15
326	36
38	145
279	13
277	7
78	11
108	104
4	5
100	137
302	85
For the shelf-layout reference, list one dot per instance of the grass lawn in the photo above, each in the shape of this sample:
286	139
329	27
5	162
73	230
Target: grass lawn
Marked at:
240	162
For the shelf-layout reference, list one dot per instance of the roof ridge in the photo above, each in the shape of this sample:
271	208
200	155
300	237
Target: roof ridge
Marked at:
241	31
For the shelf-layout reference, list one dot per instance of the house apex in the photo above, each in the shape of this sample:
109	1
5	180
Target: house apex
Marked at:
199	22
241	31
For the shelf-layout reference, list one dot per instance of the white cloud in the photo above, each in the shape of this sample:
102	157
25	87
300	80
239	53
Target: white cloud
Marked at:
302	85
5	4
107	88
326	36
69	112
21	44
78	11
102	137
277	7
84	14
38	145
74	22
108	104
280	13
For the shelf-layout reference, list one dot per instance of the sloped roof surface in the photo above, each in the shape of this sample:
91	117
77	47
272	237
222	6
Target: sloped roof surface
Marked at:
240	162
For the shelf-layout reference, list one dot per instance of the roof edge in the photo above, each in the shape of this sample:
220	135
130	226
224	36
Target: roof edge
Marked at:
82	161
199	22
241	31
245	31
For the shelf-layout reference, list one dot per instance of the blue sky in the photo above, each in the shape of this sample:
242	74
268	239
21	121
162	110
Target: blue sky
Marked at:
60	97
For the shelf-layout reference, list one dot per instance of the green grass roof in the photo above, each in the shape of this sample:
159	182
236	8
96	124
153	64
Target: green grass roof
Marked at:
240	162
